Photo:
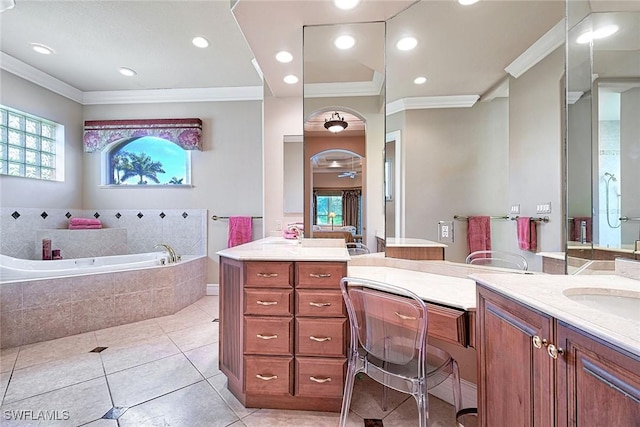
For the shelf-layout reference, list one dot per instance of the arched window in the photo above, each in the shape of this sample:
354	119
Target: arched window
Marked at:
146	160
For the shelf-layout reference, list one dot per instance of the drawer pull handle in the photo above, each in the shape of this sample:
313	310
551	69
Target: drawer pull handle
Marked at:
267	337
320	304
539	342
405	317
554	351
319	339
267	378
267	302
320	380
319	275
267	274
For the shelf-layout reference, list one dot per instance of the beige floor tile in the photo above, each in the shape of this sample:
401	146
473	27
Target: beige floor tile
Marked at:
4	382
57	349
8	359
209	304
45	377
119	335
219	382
79	404
366	400
441	414
192	406
141	383
205	359
102	423
185	318
134	353
197	336
282	418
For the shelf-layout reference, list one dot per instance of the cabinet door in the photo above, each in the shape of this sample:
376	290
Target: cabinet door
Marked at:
516	379
597	385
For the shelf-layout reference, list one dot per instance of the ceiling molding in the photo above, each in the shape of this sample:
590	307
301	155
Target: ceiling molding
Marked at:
29	73
573	97
550	41
345	89
427	102
32	74
499	90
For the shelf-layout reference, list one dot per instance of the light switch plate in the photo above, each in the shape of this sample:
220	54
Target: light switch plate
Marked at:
543	208
515	209
445	231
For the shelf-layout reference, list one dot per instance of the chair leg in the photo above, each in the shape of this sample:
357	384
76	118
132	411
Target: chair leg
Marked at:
348	391
457	391
423	406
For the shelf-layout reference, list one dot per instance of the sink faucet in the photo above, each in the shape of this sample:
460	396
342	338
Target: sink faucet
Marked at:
299	233
172	253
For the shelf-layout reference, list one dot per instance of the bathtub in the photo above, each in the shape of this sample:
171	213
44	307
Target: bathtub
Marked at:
44	300
15	269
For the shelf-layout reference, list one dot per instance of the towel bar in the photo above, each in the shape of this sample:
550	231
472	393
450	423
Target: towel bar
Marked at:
216	217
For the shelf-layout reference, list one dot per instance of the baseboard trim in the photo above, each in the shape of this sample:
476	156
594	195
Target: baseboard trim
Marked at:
213	289
469	393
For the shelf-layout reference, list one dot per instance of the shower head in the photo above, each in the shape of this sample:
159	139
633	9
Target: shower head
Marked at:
611	176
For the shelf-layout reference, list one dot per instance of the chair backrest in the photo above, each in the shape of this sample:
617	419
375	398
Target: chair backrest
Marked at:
388	322
350	228
498	259
357	248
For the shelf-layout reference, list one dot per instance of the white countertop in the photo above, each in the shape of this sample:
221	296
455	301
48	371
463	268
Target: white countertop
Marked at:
407	242
446	290
281	249
545	293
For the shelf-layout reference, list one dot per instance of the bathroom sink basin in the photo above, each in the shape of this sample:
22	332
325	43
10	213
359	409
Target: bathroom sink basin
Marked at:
621	303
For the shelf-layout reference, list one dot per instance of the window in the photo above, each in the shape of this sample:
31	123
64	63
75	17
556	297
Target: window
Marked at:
146	160
326	205
30	146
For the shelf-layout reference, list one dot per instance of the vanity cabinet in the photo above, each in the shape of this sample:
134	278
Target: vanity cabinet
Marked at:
283	333
534	370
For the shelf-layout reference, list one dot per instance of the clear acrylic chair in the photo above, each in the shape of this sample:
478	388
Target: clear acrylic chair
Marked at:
356	248
389	343
498	259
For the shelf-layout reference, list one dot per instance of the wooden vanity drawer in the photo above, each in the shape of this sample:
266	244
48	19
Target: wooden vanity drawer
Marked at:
320	274
321	337
320	303
320	377
268	302
268	335
448	324
269	274
268	375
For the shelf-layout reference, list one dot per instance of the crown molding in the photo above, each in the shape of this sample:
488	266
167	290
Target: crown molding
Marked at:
345	89
574	96
428	102
550	41
499	90
32	74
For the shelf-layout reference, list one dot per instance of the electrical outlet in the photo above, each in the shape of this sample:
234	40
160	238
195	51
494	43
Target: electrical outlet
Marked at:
278	225
445	231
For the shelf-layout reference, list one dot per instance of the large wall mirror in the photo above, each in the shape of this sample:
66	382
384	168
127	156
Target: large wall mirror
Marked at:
604	132
477	105
344	77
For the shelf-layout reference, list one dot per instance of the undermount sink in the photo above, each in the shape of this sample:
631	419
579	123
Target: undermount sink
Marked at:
621	303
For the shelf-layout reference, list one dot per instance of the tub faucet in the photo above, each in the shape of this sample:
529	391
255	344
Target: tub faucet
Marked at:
172	254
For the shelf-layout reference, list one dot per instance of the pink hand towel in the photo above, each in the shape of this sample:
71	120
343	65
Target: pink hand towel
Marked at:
85	227
527	239
239	230
479	234
84	221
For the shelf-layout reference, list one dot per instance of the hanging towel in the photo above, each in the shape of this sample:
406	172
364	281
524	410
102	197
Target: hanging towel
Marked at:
576	226
527	240
479	234
239	230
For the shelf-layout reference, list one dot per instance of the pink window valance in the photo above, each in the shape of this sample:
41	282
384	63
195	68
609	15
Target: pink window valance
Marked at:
184	132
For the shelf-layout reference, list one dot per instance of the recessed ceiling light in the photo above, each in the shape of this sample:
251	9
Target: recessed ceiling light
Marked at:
200	42
344	42
600	33
407	43
346	4
284	56
467	2
420	80
40	48
127	72
291	79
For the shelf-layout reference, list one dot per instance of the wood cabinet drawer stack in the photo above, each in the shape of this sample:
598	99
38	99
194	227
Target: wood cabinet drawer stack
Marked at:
293	336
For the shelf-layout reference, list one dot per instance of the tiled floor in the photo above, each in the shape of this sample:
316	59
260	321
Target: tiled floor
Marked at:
160	372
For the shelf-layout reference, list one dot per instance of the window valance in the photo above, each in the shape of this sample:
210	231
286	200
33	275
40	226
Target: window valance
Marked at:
184	132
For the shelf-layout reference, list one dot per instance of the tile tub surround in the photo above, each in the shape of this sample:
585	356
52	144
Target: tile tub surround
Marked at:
45	309
86	243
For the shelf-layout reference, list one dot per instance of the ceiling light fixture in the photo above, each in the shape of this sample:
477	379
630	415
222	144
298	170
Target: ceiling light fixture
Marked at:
127	72
336	123
40	48
346	4
467	2
420	80
6	5
200	42
344	42
600	33
407	43
290	79
284	56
